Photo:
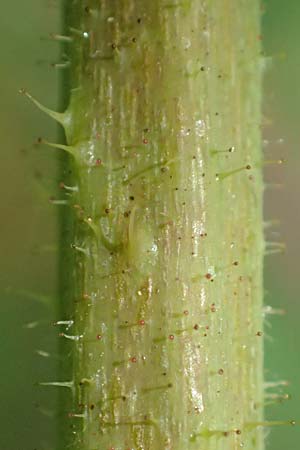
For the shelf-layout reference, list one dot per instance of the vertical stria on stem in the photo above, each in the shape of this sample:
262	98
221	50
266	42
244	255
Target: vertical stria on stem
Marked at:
163	128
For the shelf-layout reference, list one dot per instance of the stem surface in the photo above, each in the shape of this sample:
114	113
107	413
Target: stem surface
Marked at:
163	128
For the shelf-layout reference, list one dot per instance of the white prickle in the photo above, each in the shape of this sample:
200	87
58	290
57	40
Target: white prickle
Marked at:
67	323
42	353
72	338
275	384
62	118
66	384
273	311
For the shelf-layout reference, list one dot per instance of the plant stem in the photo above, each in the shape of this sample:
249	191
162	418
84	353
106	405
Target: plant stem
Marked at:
163	128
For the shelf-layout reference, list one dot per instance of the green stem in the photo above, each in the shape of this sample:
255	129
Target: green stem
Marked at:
164	129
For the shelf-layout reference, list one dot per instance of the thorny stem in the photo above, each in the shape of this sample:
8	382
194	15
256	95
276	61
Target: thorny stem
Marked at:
164	130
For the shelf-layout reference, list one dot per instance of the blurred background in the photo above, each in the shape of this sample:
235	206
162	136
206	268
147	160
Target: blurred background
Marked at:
28	226
29	221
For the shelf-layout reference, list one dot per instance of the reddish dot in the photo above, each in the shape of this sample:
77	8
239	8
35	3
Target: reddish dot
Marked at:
208	276
98	162
142	322
145	141
99	337
133	359
171	337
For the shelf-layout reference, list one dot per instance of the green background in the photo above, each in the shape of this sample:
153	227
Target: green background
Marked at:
29	222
